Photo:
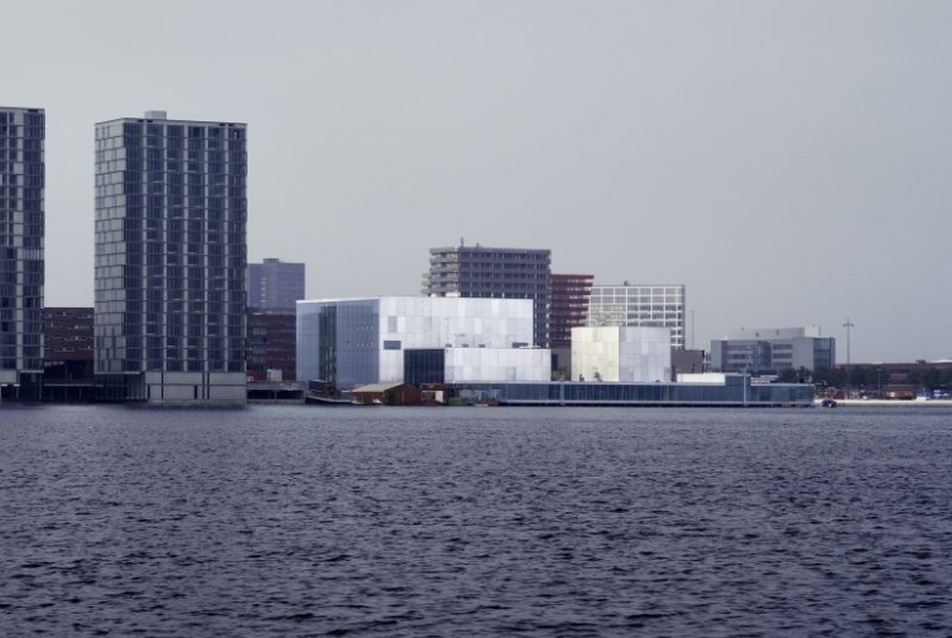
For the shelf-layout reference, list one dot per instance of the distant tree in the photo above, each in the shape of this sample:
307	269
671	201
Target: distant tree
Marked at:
929	378
830	378
865	377
914	377
932	379
794	375
788	375
821	377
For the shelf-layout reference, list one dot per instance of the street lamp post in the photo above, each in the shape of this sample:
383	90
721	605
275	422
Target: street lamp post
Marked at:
848	325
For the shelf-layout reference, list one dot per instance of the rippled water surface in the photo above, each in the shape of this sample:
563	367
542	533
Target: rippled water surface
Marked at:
301	521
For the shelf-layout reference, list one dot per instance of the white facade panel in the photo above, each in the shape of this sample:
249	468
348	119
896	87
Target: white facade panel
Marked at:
775	333
621	354
497	364
711	378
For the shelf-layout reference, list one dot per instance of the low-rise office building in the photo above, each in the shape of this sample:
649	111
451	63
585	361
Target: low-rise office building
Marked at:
772	350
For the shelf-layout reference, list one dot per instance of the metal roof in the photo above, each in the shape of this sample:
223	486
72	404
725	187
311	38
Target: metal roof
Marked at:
378	387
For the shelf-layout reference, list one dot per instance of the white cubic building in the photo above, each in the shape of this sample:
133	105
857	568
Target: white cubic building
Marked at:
352	342
619	353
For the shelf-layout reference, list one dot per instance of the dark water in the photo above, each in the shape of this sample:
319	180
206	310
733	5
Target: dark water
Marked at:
297	521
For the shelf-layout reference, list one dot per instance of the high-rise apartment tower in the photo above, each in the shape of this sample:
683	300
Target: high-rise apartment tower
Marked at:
22	229
505	273
170	305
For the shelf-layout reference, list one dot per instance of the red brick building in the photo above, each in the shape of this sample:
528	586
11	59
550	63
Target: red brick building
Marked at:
568	307
271	344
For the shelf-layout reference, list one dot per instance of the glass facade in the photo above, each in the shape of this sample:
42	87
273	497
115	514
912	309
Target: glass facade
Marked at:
170	270
736	392
650	306
424	365
22	232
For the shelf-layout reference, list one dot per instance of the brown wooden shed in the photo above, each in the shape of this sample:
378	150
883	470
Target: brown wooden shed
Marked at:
387	394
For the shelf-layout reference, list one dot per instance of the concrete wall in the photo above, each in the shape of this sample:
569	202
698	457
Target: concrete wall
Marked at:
196	388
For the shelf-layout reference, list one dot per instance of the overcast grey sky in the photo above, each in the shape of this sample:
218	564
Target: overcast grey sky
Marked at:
789	162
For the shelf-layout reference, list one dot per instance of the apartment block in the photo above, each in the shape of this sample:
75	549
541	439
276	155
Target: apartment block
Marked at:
22	232
497	273
170	295
275	286
640	305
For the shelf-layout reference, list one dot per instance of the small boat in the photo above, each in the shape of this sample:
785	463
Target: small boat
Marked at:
312	399
828	403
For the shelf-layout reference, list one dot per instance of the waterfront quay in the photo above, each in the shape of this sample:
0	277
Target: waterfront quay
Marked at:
736	391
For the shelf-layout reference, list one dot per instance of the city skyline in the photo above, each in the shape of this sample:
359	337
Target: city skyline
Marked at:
784	162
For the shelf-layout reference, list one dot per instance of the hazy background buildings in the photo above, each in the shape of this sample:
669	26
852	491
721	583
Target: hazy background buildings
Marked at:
275	286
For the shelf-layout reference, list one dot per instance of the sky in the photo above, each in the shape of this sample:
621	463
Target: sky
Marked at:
788	162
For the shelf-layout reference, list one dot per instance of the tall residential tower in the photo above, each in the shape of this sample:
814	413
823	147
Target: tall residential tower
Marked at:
170	304
504	273
22	229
